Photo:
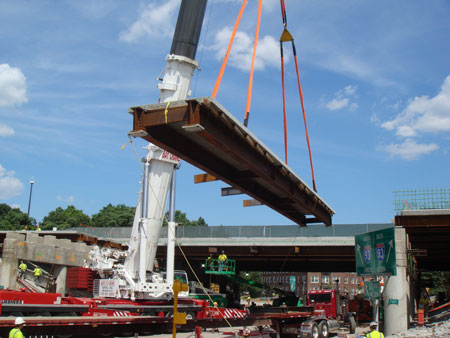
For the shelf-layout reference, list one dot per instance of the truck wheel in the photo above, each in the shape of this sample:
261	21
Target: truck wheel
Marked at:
324	330
352	324
315	333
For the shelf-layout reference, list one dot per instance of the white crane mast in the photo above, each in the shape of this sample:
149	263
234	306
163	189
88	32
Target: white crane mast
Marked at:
159	174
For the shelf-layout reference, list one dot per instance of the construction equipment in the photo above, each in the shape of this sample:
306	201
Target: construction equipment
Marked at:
129	285
136	297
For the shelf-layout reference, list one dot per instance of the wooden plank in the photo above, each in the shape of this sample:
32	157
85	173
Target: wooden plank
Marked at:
202	178
251	203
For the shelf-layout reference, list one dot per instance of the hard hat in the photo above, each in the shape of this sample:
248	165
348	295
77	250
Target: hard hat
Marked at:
373	324
223	251
19	321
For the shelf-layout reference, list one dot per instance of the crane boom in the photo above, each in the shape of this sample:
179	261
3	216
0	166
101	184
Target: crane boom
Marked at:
159	171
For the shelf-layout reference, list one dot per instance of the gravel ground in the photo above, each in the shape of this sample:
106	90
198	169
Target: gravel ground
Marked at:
437	330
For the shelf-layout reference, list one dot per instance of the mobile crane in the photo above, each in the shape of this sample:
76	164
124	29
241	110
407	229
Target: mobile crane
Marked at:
159	176
137	288
142	301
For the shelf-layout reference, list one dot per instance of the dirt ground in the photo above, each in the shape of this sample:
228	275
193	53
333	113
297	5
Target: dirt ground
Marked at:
437	330
250	332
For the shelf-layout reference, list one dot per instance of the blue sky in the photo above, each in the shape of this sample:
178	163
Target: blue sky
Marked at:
375	78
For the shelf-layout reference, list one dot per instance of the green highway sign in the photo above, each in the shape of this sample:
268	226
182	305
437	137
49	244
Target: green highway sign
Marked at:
292	282
372	290
375	253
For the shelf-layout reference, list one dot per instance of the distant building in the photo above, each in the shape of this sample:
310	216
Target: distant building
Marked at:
303	282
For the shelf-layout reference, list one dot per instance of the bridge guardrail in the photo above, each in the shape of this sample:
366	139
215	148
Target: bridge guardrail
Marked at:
246	231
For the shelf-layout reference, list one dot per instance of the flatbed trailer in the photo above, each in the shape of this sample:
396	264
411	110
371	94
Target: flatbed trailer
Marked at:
79	326
289	322
75	327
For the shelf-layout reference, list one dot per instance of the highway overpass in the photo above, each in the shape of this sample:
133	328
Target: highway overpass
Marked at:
260	248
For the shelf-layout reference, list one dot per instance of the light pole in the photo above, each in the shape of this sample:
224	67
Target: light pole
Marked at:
29	199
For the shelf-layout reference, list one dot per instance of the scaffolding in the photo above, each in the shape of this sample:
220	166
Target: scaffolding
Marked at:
421	199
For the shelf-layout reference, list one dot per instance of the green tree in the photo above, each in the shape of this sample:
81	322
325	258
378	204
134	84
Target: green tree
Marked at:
4	209
114	216
14	219
65	218
181	219
200	222
252	276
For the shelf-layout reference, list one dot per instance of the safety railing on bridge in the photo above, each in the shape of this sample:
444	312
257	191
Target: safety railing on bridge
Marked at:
242	231
423	199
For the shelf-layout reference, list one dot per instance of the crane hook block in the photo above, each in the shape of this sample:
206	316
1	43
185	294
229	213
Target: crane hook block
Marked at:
286	36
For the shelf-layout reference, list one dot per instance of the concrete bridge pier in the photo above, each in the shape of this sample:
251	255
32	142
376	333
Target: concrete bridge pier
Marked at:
60	273
8	274
397	290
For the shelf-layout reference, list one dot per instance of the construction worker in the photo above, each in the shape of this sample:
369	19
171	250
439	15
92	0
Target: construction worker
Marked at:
22	269
38	228
16	332
373	331
210	262
222	260
25	228
37	273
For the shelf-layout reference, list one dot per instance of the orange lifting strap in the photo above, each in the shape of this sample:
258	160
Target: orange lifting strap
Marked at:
285	37
227	54
250	81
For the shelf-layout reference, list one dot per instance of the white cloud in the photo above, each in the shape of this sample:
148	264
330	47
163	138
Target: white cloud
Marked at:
270	5
396	105
336	104
13	87
342	99
375	119
409	149
267	51
424	115
353	106
10	186
154	20
350	90
6	130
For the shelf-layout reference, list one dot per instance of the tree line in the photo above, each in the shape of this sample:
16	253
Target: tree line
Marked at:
109	216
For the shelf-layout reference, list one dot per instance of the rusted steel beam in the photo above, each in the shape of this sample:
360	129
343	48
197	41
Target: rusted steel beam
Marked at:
203	133
230	191
423	221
